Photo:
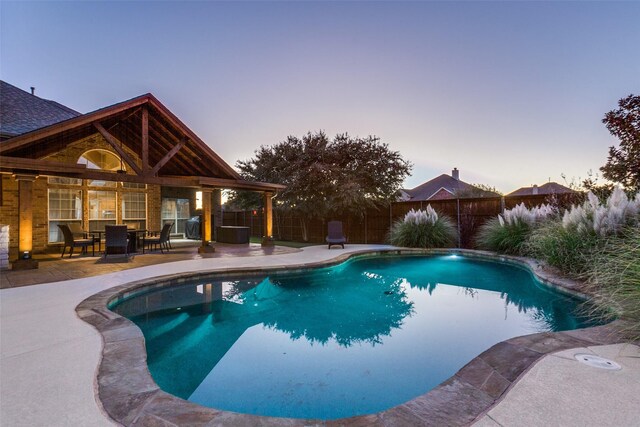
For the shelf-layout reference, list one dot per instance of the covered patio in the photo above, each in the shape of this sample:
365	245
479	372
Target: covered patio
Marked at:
116	165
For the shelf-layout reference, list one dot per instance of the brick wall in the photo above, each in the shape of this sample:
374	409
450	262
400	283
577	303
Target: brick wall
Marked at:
9	208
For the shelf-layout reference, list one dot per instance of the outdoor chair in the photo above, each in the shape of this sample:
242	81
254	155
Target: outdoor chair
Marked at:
71	243
335	235
162	240
76	230
116	237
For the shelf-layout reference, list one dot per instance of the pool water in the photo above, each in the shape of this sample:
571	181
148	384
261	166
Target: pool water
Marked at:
352	339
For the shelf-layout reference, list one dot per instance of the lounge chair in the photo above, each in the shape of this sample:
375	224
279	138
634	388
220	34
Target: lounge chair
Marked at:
162	240
335	235
70	242
116	237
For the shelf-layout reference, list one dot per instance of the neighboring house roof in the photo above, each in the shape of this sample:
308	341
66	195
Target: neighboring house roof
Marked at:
548	188
21	112
403	196
439	186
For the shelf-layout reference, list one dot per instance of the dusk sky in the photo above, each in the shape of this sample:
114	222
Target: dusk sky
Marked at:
511	93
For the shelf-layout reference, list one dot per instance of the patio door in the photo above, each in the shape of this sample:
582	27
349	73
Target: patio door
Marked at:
176	211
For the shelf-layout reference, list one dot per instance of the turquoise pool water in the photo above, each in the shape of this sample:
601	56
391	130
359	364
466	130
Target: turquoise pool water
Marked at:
356	338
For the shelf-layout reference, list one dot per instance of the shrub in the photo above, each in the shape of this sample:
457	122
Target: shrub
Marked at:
503	238
508	233
564	248
423	229
614	275
571	244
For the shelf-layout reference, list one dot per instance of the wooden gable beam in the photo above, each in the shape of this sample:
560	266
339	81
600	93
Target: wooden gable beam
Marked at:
114	143
177	123
11	164
168	156
145	139
239	184
66	125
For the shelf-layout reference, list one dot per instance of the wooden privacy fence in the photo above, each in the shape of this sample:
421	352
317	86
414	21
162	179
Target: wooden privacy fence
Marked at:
468	214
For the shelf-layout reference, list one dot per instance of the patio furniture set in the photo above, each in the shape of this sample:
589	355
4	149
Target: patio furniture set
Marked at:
118	239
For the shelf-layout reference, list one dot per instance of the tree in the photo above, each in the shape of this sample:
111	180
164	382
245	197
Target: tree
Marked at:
477	190
623	163
323	177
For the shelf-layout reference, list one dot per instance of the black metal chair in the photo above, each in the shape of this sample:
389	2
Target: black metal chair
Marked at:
162	240
116	237
70	242
335	235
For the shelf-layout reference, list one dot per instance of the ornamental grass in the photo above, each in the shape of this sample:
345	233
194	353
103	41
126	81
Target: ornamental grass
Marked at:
423	229
614	278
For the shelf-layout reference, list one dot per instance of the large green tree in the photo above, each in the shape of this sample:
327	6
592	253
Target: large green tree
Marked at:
323	176
623	163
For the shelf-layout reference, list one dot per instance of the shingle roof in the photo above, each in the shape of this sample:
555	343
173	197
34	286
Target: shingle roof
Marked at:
426	190
548	188
21	112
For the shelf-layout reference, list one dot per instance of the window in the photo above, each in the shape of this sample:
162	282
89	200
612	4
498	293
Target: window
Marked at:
65	207
133	185
103	160
134	208
102	209
66	181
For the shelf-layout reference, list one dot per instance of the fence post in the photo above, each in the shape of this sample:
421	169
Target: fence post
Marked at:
459	231
502	205
366	227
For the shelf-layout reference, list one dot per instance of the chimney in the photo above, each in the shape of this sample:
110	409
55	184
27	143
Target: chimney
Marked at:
33	90
455	173
535	189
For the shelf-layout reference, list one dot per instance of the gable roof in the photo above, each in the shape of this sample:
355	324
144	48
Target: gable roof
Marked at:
174	154
428	189
548	188
21	112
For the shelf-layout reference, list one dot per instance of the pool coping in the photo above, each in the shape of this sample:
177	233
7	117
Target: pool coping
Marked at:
127	393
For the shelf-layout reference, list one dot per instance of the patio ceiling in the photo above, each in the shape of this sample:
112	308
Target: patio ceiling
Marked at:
171	153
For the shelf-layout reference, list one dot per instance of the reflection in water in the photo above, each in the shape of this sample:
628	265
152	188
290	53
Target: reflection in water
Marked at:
356	338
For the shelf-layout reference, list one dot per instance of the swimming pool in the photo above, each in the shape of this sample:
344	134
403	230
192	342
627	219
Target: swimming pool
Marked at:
355	338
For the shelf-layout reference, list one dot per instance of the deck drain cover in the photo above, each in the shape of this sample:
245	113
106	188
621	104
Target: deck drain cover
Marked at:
597	361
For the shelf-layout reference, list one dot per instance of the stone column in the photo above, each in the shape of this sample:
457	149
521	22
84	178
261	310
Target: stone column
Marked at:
267	238
25	228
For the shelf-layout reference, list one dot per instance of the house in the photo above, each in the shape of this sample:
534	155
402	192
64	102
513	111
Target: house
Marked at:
133	162
444	187
546	189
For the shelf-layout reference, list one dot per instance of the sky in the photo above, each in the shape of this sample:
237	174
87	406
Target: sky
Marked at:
510	93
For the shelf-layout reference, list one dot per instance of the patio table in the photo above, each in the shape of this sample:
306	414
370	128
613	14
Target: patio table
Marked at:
134	237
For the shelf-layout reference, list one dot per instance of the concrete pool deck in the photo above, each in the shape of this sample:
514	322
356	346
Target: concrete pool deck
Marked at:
49	357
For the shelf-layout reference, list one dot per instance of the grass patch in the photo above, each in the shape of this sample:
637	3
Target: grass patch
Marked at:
284	243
